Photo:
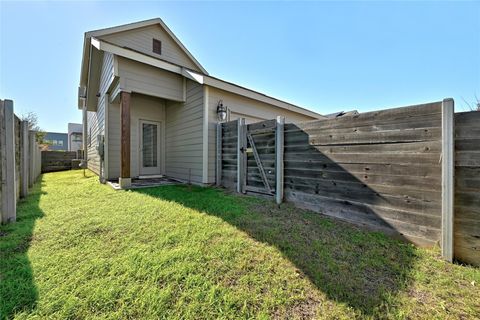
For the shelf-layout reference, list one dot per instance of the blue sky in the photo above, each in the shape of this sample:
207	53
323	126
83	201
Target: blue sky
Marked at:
326	56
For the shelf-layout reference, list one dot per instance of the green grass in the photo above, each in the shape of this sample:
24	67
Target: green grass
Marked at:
82	250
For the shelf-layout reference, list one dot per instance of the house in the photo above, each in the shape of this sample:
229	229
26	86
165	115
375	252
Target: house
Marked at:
151	108
75	136
56	141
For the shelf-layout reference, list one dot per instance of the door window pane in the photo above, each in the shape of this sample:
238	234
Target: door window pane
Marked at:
149	152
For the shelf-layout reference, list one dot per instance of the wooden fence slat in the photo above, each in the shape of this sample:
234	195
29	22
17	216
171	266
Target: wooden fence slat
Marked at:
258	162
376	117
279	159
390	136
241	156
426	121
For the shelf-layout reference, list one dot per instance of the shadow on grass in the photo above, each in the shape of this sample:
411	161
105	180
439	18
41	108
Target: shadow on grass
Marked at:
17	287
362	269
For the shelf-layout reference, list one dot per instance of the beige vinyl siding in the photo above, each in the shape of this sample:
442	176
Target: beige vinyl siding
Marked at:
96	120
141	40
240	107
142	107
141	78
184	123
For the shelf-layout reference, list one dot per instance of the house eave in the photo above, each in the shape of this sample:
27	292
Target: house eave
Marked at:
203	79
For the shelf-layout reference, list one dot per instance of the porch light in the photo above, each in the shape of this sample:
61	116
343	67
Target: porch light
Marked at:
221	111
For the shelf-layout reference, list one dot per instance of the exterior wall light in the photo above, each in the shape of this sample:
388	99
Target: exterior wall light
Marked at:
221	111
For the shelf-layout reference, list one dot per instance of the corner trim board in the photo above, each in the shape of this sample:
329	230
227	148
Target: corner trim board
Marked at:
205	136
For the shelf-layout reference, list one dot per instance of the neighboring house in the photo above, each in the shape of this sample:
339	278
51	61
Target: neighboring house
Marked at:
155	106
75	136
56	141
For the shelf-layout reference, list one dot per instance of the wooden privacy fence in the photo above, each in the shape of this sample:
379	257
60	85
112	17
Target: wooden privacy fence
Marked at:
467	187
20	160
59	160
379	169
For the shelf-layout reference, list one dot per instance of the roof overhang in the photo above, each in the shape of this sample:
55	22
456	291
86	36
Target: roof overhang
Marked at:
96	46
245	92
90	38
234	88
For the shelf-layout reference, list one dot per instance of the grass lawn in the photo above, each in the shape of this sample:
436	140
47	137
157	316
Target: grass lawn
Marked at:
82	250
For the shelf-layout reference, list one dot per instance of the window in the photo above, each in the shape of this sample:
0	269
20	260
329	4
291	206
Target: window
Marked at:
157	46
76	137
60	142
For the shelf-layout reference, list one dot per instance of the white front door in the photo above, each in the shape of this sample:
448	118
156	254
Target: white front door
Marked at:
150	147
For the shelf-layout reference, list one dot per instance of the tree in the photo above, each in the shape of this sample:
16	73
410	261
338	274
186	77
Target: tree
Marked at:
475	106
33	125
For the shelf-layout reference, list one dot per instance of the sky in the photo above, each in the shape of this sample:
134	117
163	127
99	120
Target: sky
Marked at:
325	56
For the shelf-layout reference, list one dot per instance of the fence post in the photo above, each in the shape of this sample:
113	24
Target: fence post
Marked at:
24	159
448	182
241	156
279	146
31	162
219	155
7	154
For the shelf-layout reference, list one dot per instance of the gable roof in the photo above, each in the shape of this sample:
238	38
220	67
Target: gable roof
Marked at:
92	41
127	27
199	78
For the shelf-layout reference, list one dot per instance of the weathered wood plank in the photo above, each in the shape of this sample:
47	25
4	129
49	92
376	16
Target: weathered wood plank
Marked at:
470	199
417	169
415	147
241	156
467	159
426	121
468	118
465	132
364	158
252	127
311	177
464	145
327	163
369	196
376	117
467	179
468	255
410	135
262	190
259	163
279	161
404	191
360	213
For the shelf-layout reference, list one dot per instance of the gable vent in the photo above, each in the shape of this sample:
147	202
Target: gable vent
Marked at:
157	46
